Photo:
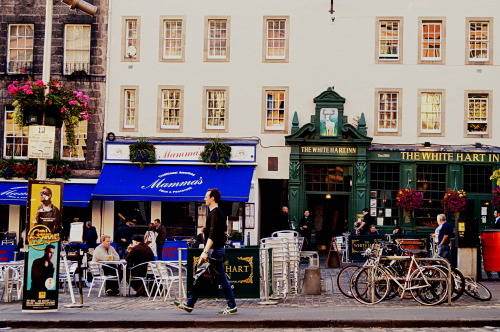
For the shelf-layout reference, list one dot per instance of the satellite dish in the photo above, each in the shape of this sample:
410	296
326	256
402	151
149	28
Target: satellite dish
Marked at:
131	51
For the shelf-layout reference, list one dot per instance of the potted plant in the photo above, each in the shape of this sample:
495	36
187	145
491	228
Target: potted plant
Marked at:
12	168
216	152
495	199
33	102
454	201
236	237
409	200
496	176
142	152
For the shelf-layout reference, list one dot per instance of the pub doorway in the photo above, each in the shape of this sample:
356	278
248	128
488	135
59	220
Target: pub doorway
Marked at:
330	216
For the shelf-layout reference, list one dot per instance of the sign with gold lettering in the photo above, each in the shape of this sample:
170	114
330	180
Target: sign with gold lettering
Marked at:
333	150
436	156
242	270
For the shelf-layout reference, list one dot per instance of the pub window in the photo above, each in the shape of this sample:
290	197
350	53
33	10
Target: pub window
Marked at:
384	185
138	213
388	108
179	218
217	40
431	181
479	41
20	49
431	112
15	138
477	179
389	40
77	49
332	178
431	41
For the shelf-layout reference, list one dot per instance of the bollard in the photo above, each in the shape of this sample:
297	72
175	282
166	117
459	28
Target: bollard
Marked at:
312	281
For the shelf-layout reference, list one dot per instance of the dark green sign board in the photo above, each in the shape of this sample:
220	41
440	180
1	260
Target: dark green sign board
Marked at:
242	270
356	245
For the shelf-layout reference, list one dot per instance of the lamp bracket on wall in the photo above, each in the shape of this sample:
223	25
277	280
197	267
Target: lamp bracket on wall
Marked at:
332	10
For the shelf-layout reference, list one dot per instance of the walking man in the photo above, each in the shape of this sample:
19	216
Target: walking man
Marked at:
215	239
161	236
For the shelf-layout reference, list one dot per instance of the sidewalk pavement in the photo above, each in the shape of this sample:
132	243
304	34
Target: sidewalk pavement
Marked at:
331	309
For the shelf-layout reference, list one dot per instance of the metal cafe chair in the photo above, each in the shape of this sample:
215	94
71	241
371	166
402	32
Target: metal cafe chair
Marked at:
144	279
98	276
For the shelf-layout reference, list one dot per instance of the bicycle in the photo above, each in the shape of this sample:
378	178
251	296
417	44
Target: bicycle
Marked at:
428	285
476	290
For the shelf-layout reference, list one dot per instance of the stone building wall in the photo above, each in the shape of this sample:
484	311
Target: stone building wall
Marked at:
92	83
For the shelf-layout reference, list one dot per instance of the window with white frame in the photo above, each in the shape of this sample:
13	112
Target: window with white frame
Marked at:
431	43
275	110
20	49
129	108
170	109
276	39
216	109
477	116
79	149
15	139
479	41
217	36
172	39
430	112
388	108
131	38
77	49
389	40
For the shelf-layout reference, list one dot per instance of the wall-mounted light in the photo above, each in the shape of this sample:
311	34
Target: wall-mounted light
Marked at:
84	6
427	144
478	145
332	11
328	196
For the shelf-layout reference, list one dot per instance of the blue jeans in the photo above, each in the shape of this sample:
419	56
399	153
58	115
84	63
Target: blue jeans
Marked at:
122	252
444	251
218	253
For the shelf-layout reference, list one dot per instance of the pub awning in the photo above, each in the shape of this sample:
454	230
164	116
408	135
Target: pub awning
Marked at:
75	194
172	182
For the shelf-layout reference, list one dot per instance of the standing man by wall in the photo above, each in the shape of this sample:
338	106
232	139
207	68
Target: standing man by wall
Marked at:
444	237
305	227
496	223
161	232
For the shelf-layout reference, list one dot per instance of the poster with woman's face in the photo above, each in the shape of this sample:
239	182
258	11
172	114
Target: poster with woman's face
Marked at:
329	118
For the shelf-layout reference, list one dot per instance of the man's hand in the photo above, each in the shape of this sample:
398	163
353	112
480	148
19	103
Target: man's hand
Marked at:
204	256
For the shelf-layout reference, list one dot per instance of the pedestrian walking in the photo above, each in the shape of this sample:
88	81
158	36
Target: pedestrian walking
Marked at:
215	239
161	236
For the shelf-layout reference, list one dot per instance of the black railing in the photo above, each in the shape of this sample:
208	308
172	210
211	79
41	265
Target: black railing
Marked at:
77	68
20	67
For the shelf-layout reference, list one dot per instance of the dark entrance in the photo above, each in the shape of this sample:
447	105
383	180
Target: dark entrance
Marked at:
330	216
273	196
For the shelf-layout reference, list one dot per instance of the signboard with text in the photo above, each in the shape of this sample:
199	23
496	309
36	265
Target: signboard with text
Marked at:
41	142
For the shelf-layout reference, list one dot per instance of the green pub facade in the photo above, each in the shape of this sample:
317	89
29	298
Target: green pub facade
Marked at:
336	171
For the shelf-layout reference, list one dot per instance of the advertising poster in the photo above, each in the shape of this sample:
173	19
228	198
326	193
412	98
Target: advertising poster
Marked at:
41	271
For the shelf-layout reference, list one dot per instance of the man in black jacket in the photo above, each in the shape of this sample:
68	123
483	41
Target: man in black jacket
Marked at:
139	253
123	237
161	232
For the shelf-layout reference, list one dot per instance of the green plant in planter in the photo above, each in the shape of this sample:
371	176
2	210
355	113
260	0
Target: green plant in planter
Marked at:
216	152
236	236
142	152
59	168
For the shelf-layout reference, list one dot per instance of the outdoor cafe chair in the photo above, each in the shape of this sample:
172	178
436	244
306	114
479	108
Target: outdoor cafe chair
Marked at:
146	280
163	279
64	279
98	276
11	279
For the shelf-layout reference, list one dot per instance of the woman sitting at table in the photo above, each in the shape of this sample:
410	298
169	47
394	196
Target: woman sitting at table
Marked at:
105	252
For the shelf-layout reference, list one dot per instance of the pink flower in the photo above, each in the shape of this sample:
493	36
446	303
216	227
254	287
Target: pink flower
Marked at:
63	109
29	92
73	102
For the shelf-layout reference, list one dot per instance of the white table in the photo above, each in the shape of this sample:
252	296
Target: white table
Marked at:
123	265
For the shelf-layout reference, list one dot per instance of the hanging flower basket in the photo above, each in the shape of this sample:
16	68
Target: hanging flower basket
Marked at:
409	200
454	201
495	199
142	152
32	105
216	152
496	175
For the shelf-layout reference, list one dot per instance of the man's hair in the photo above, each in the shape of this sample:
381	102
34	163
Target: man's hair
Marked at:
366	210
215	193
104	237
89	223
157	220
441	217
48	247
496	210
48	190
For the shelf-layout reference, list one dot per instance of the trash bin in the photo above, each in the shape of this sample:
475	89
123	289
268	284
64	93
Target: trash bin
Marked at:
490	243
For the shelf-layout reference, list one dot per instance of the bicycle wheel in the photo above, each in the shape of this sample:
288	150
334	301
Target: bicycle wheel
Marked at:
458	283
429	285
344	279
370	285
476	290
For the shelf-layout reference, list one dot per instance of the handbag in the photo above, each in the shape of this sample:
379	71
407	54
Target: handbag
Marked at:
206	277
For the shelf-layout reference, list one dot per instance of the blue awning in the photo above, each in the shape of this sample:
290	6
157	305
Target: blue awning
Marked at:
172	182
16	193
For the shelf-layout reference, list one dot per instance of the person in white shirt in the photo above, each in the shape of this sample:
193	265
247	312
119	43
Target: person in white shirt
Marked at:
105	252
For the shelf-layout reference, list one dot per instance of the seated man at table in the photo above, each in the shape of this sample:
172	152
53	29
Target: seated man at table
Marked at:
139	253
105	252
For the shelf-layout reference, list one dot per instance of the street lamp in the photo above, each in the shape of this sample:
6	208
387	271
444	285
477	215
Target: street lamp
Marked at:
87	8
